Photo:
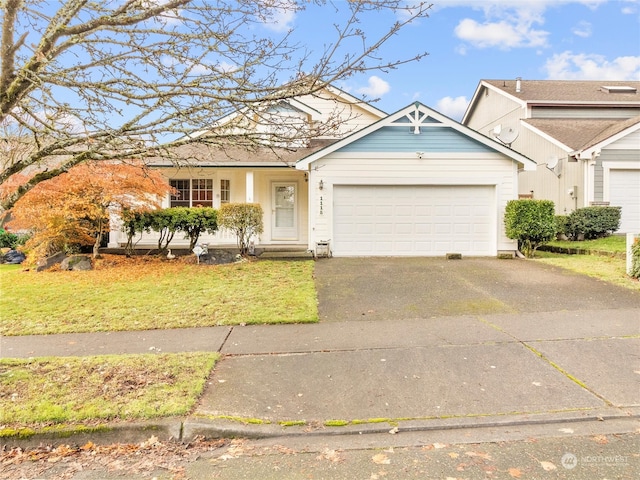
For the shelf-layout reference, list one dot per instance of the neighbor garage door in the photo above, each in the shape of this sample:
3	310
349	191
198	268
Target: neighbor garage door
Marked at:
413	220
624	191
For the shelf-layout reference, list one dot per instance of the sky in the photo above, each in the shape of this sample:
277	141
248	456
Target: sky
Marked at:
471	40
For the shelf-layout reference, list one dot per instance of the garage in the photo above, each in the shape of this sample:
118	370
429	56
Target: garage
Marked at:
412	220
413	184
624	191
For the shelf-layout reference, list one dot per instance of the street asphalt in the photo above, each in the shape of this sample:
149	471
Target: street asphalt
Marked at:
407	345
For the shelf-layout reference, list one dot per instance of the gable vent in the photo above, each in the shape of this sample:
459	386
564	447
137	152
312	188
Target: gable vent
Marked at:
619	89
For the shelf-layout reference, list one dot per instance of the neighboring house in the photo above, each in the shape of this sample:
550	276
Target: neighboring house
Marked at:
415	183
212	175
584	136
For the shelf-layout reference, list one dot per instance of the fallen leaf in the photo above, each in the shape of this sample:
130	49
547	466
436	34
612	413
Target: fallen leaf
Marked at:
548	466
601	439
381	459
484	456
453	455
515	472
439	445
331	455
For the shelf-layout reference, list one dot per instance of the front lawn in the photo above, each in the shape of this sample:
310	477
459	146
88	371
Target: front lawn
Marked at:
150	293
44	393
608	269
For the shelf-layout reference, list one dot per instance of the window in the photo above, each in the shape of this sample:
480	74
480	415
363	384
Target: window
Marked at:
225	191
202	190
182	197
197	192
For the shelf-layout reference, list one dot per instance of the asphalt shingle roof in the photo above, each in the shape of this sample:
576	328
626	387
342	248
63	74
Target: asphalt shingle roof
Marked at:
574	91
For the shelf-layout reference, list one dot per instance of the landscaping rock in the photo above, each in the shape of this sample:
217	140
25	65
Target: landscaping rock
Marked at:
14	257
219	257
50	261
76	263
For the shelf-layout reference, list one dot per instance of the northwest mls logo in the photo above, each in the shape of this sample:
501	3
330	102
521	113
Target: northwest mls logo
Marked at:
569	461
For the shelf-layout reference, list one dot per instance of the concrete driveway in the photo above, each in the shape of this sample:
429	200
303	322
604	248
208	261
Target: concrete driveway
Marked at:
403	288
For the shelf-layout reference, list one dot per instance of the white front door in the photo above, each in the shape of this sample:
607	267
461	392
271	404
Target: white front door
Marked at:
285	212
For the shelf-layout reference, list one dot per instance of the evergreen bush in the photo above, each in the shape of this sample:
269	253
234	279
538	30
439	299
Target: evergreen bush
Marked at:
531	222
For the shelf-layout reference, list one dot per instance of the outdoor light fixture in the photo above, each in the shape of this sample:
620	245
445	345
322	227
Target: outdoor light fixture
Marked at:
321	185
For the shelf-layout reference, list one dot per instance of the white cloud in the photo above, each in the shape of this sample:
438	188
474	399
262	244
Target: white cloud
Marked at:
583	29
500	34
453	107
376	88
509	24
569	66
281	17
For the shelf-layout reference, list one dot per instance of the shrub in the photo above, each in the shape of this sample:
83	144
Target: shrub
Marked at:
243	219
635	259
531	222
592	222
561	224
7	239
194	221
133	222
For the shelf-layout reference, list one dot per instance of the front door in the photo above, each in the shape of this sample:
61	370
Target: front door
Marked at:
285	212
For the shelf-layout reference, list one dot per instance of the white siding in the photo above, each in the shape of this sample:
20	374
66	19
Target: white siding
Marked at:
488	169
354	117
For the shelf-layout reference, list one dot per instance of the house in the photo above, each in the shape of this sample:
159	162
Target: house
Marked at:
415	183
584	136
265	174
411	183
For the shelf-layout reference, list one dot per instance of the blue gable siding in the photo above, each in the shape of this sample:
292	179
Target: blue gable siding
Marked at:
396	138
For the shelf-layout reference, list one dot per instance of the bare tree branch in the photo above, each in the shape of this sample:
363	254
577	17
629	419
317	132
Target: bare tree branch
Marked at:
114	80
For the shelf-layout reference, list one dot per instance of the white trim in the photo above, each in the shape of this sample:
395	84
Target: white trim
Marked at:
606	174
249	187
488	86
546	136
589	181
587	153
413	155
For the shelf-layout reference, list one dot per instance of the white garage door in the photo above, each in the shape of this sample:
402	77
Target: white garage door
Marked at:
413	220
624	191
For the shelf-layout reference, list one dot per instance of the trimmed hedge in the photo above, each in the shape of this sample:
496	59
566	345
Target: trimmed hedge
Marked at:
167	222
592	222
531	222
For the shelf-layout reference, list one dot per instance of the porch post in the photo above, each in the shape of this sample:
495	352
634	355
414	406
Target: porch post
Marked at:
249	187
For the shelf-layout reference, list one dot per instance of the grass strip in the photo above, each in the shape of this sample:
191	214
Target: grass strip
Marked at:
41	392
608	269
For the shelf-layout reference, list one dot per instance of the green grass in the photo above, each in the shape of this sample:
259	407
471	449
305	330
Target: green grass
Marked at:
612	244
608	269
55	391
136	295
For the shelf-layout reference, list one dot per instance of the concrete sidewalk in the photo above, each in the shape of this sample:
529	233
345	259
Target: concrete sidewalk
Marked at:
413	374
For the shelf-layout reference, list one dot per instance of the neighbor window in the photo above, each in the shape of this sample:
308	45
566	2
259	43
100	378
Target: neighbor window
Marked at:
196	192
225	191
